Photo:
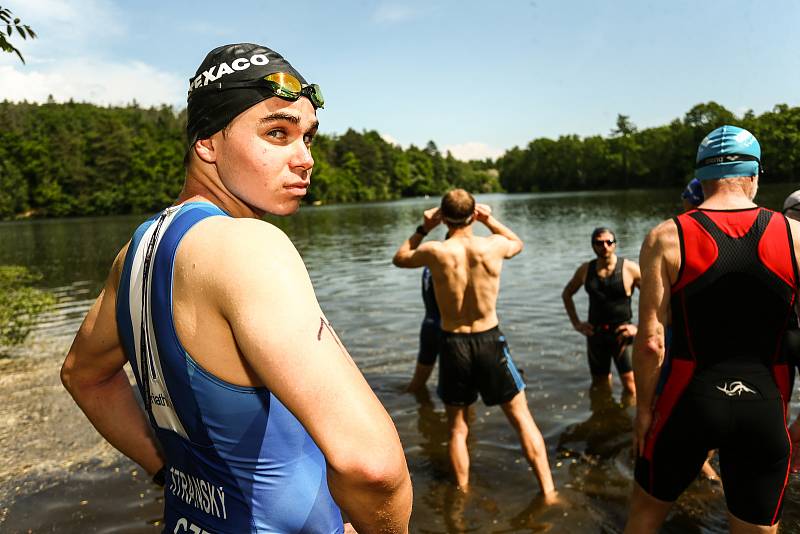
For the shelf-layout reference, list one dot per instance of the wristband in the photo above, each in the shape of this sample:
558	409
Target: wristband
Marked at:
421	231
160	476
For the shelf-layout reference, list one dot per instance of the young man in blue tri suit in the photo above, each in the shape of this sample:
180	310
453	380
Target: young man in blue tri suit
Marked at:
723	277
255	416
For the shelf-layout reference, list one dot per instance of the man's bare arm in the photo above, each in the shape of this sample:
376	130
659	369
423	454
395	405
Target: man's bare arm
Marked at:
269	301
648	347
570	289
636	273
513	244
410	254
93	374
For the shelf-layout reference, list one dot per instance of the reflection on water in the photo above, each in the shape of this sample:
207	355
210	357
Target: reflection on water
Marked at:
376	309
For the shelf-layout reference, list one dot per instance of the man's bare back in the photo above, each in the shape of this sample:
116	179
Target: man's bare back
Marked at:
466	269
466	279
474	355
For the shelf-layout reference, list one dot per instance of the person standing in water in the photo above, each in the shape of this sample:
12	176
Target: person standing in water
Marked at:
430	335
254	413
609	280
692	196
724	276
475	357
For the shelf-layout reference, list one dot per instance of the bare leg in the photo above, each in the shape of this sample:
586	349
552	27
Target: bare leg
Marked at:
457	448
601	380
421	375
743	527
647	513
628	385
519	415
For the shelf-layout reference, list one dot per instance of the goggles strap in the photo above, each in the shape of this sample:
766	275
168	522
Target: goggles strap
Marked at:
726	158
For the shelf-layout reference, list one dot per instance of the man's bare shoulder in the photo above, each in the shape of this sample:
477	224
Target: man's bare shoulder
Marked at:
494	243
661	247
115	273
228	245
664	236
580	272
631	266
579	277
431	246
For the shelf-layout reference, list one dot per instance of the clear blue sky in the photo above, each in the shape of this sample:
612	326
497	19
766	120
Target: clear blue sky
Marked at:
476	77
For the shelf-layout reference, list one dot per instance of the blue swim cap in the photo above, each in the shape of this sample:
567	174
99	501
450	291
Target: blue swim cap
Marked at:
694	193
726	152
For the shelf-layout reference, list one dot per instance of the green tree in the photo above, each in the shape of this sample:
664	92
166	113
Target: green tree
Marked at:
13	24
626	146
20	304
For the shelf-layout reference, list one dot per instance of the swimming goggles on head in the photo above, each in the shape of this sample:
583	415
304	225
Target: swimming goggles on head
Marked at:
282	84
729	158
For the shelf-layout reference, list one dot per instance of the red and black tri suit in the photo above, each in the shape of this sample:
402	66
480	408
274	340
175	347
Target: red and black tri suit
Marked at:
727	383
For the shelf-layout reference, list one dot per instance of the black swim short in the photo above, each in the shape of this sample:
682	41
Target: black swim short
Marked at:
742	415
604	346
430	339
477	363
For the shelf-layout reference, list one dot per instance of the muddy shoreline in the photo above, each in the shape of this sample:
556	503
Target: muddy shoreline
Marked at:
48	446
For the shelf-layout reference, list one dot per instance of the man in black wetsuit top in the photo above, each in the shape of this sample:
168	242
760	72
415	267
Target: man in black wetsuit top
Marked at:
609	280
430	335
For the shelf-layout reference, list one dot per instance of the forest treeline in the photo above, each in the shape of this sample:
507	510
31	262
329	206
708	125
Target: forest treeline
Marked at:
81	159
662	156
62	159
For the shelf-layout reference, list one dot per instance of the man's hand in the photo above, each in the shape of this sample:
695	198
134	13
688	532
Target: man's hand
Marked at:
584	328
482	212
431	219
641	425
348	529
626	331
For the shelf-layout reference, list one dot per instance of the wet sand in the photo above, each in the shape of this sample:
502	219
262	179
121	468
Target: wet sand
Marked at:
56	473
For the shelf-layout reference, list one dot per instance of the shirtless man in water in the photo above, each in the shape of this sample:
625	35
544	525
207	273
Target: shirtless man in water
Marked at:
474	355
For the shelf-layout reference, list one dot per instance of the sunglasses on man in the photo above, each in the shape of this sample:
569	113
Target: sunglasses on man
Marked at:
601	242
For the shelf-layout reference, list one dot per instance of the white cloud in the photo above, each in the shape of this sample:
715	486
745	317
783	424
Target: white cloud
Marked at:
473	150
92	80
389	139
392	13
72	58
66	29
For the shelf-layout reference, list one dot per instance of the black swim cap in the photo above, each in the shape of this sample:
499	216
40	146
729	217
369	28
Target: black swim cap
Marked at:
209	111
602	230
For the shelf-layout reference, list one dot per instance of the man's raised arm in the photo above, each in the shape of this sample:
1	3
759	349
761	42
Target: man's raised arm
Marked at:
484	214
410	254
269	301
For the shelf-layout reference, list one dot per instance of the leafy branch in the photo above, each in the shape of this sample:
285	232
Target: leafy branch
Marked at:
13	24
20	304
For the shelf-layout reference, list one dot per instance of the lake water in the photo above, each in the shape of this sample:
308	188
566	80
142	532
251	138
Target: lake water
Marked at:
376	309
